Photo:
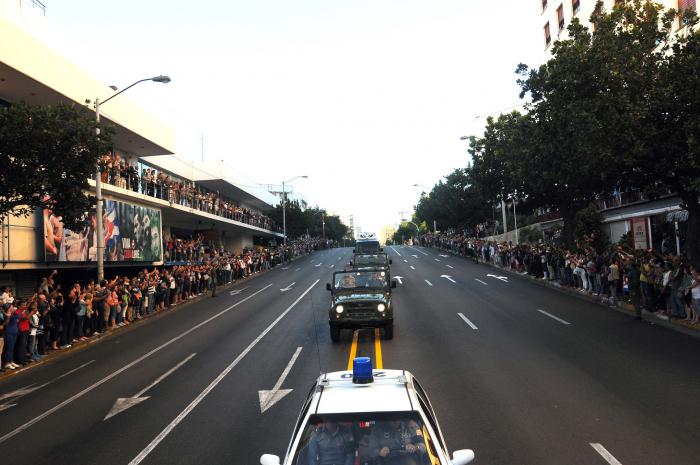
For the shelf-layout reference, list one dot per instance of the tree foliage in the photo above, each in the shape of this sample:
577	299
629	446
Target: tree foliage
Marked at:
302	220
47	154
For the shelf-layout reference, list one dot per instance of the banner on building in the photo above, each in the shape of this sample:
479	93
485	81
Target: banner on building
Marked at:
640	233
131	233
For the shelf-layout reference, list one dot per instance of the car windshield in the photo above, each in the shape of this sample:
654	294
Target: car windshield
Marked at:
370	260
360	279
367	438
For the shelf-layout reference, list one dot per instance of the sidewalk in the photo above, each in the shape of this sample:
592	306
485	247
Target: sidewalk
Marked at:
620	306
52	355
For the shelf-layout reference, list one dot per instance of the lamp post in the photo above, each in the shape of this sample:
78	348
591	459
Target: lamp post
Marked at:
426	189
503	202
99	233
284	207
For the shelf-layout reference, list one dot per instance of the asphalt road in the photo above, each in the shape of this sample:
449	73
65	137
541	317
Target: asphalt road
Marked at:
520	373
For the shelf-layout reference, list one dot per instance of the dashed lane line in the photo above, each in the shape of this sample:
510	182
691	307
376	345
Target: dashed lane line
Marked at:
604	453
412	267
450	267
467	321
429	283
564	322
482	282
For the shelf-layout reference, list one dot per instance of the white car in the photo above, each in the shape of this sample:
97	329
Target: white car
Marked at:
368	417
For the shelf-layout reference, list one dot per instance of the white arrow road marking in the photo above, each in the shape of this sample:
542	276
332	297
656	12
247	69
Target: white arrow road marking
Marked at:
238	291
444	256
412	267
124	403
270	398
450	267
297	269
429	283
99	383
197	400
564	322
399	278
415	256
466	320
285	267
397	252
482	282
405	261
288	287
331	266
502	278
318	265
604	453
437	259
448	277
21	392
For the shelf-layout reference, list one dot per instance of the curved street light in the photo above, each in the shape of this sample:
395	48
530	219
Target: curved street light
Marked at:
98	179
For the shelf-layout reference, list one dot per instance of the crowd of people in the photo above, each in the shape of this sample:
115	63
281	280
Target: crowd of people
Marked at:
664	284
59	314
117	171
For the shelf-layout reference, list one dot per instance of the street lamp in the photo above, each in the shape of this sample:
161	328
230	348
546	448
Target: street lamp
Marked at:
98	179
284	207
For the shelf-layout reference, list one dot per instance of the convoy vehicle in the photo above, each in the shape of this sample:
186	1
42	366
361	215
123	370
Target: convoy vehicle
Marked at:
380	416
361	299
378	260
367	243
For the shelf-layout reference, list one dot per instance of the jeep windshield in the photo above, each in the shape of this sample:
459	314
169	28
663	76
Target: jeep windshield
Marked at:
370	260
367	246
360	280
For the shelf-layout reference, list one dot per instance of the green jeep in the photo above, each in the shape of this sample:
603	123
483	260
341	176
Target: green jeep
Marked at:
361	299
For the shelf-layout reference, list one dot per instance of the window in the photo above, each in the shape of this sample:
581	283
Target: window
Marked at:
684	5
544	5
560	17
547	35
575	5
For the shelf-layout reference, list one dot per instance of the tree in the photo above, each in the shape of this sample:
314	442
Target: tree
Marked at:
302	220
47	154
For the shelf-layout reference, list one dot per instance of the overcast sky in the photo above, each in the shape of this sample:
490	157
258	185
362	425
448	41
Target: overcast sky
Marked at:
367	98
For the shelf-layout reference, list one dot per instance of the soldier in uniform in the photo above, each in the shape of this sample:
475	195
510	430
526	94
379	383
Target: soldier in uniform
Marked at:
331	445
397	443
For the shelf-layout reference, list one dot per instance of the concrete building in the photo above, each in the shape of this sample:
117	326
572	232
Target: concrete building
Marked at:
654	223
32	72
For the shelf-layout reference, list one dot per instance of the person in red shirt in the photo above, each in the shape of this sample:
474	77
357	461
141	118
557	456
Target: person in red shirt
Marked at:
23	334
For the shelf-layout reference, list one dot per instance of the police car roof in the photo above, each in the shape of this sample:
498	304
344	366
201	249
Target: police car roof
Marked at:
388	393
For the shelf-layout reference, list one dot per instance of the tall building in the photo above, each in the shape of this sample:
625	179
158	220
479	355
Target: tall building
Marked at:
386	234
557	14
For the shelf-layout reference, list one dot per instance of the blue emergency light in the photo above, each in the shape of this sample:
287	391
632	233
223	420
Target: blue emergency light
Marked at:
362	370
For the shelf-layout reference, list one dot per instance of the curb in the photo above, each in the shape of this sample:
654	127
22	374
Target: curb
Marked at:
622	307
54	355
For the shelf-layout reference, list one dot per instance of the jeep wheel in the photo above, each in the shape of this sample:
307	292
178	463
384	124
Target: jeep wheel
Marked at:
389	331
335	333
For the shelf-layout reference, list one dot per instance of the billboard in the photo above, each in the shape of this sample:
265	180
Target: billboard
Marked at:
132	234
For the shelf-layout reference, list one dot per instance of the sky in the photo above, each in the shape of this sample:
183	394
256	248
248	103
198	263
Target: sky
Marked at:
366	98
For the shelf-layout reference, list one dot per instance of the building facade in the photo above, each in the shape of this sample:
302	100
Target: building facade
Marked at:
152	198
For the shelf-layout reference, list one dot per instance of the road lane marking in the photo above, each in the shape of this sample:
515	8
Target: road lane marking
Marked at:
237	291
378	349
397	252
124	403
406	261
502	278
269	398
353	348
482	282
99	383
158	439
318	265
285	289
297	269
429	283
412	267
421	252
437	259
449	278
399	278
466	320
604	453
19	393
450	267
554	317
